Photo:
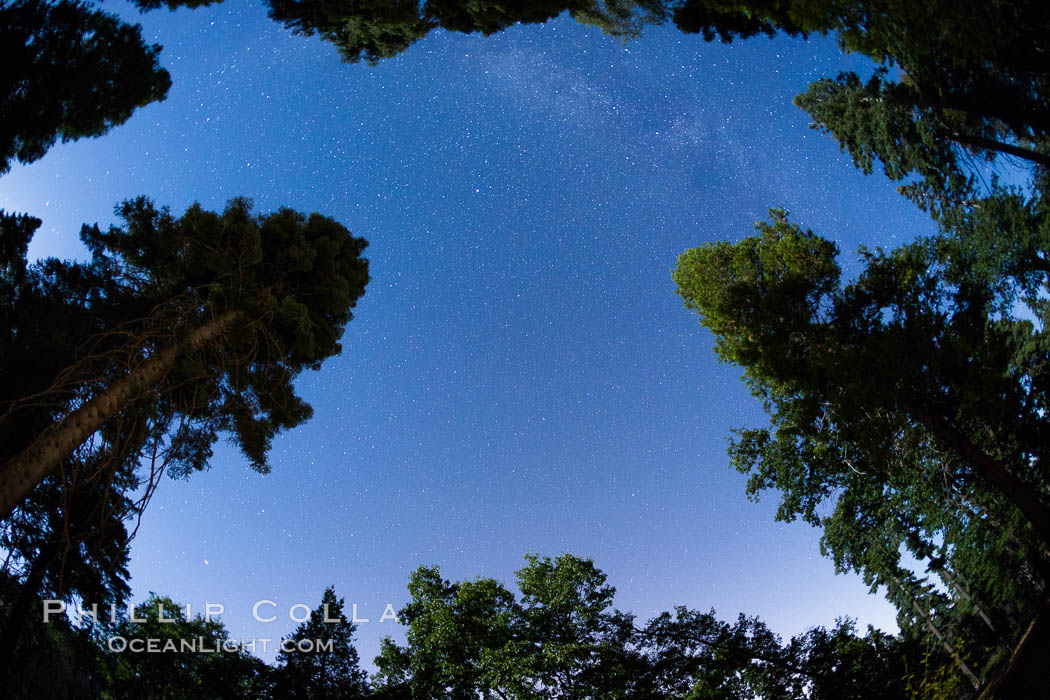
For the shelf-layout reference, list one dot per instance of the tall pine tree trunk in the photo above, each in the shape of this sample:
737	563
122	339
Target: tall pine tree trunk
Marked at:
992	470
927	619
21	474
1026	674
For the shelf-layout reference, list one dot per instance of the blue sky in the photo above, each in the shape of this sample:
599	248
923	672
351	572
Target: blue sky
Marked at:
520	376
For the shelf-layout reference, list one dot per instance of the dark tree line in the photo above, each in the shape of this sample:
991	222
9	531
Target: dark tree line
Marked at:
558	637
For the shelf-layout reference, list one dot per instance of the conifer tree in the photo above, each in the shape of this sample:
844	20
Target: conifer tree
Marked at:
70	72
202	320
308	672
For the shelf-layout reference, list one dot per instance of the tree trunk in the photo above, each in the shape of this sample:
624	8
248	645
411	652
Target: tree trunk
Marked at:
21	474
992	145
966	670
1025	674
993	471
18	611
953	582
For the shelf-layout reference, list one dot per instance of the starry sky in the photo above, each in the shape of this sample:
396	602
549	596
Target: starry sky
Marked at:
520	376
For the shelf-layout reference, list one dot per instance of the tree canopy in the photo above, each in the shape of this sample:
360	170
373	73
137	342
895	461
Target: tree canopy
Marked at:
562	638
176	669
906	399
907	405
70	72
205	318
371	30
305	672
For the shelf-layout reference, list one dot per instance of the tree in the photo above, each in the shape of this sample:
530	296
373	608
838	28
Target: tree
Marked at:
192	657
473	639
67	541
210	318
905	400
950	59
56	660
308	673
563	639
453	631
580	646
70	72
69	538
696	655
886	121
371	30
145	5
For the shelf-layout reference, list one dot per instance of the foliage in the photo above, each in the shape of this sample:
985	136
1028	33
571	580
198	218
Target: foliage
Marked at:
312	674
178	668
70	72
905	402
69	539
563	639
56	660
205	319
474	639
145	5
371	30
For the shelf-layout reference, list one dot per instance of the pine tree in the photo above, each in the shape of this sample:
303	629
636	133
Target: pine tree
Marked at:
70	72
202	321
309	670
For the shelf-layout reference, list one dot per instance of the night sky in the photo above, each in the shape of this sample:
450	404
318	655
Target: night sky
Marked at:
520	376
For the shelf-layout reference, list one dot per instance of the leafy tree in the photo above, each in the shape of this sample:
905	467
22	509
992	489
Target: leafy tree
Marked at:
70	72
579	645
696	655
563	639
904	399
309	673
192	657
842	664
209	318
371	30
453	631
473	639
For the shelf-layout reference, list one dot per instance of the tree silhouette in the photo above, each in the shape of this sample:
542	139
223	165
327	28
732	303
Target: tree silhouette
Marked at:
237	305
70	72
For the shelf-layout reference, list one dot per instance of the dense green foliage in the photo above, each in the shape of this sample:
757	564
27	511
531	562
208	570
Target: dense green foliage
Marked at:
69	72
905	401
205	320
913	398
559	637
910	402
